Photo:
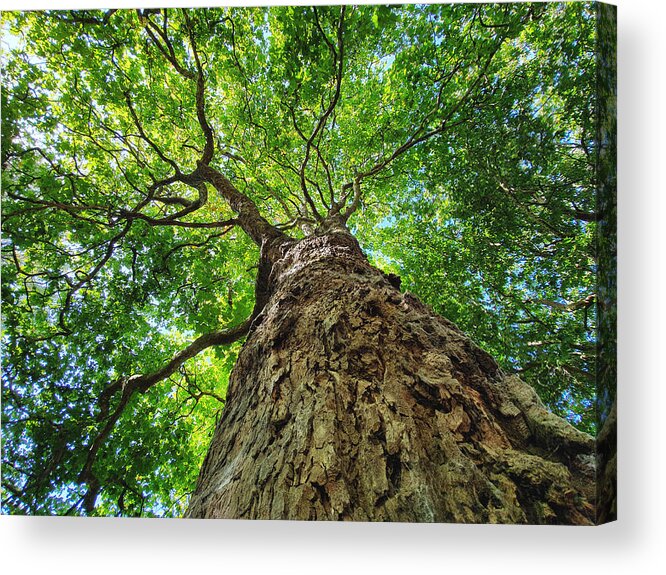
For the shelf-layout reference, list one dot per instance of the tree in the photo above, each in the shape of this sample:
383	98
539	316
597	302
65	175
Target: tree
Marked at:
197	185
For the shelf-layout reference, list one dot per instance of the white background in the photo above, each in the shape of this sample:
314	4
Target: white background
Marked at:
635	543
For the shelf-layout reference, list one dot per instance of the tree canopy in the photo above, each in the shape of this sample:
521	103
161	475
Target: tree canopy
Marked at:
457	141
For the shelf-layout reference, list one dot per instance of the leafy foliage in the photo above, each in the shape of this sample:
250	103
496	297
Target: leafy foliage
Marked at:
458	139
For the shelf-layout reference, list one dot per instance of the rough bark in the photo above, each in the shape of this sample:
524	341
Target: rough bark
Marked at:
353	401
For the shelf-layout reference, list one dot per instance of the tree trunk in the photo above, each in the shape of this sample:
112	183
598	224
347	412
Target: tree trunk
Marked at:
353	401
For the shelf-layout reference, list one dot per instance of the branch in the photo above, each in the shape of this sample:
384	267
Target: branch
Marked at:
190	206
171	222
419	136
569	306
91	275
584	216
249	217
72	209
512	194
128	386
192	383
502	25
338	61
356	200
75	18
167	50
209	148
143	135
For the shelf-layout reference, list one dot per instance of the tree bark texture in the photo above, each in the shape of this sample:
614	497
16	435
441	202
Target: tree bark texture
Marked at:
353	401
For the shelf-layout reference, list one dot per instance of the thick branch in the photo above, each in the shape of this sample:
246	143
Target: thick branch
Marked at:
166	48
249	218
128	386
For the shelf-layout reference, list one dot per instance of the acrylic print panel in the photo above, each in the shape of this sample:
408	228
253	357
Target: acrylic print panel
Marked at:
314	263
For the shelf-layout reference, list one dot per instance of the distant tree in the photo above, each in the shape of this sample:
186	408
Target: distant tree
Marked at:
214	224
